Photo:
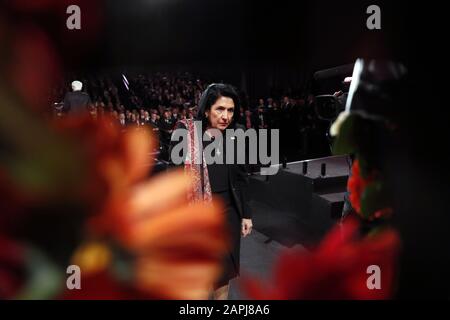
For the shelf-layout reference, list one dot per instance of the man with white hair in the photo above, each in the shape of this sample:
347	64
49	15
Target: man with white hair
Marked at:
76	102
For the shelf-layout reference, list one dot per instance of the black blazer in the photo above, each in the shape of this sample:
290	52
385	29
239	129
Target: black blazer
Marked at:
238	181
76	102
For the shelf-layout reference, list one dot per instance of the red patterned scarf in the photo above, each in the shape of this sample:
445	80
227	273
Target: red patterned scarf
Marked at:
193	169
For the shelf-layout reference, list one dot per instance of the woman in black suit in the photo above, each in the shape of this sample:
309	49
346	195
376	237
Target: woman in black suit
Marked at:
218	109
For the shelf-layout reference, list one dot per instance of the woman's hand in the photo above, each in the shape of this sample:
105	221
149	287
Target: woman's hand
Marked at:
247	226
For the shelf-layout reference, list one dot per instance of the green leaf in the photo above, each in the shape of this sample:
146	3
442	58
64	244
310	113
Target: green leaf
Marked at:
373	198
345	141
122	264
364	167
45	280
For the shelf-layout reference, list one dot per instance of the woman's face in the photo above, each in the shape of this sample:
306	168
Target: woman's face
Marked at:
221	113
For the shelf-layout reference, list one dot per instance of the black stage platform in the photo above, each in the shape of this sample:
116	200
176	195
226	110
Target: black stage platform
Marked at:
296	208
291	211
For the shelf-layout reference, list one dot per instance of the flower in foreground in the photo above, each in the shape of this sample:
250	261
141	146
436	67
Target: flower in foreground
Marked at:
175	248
338	269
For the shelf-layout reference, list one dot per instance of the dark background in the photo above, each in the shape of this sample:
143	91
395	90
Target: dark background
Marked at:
256	45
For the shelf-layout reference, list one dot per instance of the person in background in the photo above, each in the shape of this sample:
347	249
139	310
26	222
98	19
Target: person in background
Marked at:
248	122
122	120
128	115
154	121
76	102
141	116
147	117
261	118
260	104
166	126
134	121
269	103
175	114
183	114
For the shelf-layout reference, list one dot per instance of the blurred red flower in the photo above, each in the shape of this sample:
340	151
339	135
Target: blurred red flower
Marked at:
176	247
336	270
114	160
12	267
356	185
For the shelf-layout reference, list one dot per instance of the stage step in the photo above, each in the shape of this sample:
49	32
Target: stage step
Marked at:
330	203
293	208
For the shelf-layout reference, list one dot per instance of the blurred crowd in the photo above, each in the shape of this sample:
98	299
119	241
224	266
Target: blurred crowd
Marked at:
159	100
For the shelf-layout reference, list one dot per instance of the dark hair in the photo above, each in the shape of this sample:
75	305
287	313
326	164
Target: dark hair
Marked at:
213	92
